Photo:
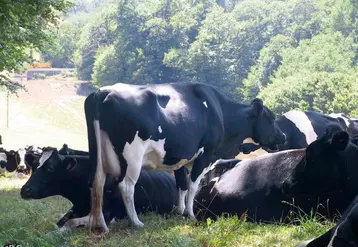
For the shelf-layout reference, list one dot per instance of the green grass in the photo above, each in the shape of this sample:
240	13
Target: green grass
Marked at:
32	223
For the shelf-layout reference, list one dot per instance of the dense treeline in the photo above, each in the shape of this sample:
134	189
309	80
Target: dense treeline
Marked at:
295	54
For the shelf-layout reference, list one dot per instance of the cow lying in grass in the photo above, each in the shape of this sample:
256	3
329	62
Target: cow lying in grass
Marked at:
68	175
344	234
326	173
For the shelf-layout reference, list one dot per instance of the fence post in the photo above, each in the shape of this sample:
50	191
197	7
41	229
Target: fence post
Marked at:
7	109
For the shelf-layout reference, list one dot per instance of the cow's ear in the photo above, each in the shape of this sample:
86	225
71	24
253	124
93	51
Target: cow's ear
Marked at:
340	140
257	107
69	163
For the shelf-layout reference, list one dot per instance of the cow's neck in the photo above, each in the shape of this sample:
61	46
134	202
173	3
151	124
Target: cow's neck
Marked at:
77	192
237	124
236	118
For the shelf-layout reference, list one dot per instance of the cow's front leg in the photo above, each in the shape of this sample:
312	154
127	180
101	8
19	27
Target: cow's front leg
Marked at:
200	168
182	186
126	188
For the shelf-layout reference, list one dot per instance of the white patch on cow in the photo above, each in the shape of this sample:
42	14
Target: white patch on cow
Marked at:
213	166
73	223
133	91
206	105
200	152
110	160
112	221
126	188
303	123
3	157
22	153
304	244
193	188
152	154
340	115
44	157
181	201
333	237
160	129
216	179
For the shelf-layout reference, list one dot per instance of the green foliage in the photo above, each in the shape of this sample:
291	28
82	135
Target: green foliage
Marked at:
24	26
60	51
269	60
296	54
316	75
96	33
105	70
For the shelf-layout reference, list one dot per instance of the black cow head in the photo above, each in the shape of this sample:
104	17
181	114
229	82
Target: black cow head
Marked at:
265	131
9	160
50	175
323	170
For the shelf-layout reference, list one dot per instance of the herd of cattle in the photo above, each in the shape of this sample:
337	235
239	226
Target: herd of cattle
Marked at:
242	160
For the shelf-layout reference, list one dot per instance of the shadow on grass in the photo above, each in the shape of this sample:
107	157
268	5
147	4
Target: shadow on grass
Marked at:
26	221
33	223
84	88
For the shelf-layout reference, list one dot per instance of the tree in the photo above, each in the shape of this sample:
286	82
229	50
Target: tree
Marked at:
24	26
105	69
99	31
319	74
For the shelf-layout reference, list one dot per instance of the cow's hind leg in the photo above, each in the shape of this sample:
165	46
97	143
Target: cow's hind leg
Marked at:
196	175
182	186
126	188
96	217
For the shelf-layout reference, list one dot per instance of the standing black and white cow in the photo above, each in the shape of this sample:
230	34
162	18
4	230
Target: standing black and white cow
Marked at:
343	234
68	175
166	126
325	173
302	128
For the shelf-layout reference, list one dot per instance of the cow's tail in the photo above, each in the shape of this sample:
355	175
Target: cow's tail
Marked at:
98	176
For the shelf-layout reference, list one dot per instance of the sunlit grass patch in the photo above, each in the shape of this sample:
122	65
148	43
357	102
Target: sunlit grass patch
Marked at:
33	223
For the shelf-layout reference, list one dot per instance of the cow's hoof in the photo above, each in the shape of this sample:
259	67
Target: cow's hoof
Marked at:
189	215
98	225
99	230
136	224
179	210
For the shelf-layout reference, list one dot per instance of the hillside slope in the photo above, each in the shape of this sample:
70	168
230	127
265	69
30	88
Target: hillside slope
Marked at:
50	113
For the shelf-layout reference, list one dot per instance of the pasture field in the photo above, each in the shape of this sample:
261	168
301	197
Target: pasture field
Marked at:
32	223
50	114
